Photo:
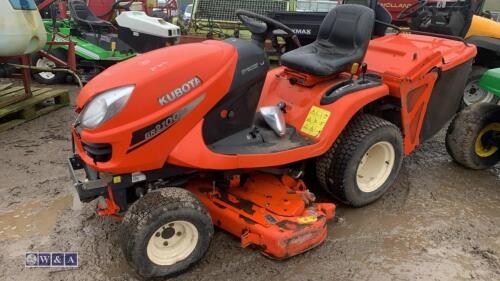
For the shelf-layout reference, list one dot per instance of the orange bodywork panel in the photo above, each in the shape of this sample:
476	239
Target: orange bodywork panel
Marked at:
276	215
413	108
163	70
410	66
299	100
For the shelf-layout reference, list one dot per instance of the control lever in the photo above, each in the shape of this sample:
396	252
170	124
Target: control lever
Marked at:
364	69
354	71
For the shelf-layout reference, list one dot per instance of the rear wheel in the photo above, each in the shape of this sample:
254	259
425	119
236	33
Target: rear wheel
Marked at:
473	93
364	161
166	232
473	136
48	77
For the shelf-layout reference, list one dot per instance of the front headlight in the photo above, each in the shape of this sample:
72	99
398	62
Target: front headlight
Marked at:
104	106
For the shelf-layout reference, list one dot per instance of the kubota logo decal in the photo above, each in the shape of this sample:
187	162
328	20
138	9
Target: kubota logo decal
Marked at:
185	88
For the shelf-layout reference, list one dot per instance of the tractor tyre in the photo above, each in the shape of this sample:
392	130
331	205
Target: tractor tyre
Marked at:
49	78
473	93
363	162
469	139
165	232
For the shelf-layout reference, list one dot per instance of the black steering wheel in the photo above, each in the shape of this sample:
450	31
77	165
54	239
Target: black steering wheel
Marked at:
115	6
261	26
126	7
411	10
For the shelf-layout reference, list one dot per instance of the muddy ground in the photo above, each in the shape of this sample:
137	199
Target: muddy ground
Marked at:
438	222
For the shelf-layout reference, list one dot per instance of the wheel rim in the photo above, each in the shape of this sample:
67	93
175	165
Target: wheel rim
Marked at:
474	94
44	62
172	243
375	166
483	150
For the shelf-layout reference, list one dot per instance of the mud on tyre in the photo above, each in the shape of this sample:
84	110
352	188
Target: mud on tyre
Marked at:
470	136
364	161
165	232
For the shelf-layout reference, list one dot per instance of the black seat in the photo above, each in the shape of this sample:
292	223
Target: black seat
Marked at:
342	40
84	17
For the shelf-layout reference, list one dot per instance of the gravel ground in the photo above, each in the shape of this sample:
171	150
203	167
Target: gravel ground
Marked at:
438	222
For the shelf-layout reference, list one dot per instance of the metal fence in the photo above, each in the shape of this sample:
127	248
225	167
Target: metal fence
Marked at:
223	10
315	5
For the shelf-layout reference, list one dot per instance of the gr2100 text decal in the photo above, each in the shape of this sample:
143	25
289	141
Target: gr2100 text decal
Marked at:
148	133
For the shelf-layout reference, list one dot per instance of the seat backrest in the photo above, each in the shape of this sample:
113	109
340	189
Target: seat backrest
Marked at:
80	11
347	27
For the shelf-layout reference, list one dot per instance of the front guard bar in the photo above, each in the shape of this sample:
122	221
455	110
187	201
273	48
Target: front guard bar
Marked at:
87	190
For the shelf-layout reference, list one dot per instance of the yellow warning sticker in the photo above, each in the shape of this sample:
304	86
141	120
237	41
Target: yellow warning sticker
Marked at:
308	219
315	121
117	179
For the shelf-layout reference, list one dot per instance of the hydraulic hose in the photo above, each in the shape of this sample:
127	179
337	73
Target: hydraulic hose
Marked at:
48	69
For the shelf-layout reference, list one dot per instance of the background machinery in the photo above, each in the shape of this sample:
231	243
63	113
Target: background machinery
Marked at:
97	43
473	137
22	33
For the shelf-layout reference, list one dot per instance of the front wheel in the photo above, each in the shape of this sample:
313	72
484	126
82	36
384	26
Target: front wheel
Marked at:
364	161
473	137
165	232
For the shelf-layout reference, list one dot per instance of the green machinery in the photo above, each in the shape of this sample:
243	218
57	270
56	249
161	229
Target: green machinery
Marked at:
93	54
87	44
217	19
473	137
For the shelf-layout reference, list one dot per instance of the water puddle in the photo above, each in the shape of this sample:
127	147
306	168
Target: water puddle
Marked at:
32	218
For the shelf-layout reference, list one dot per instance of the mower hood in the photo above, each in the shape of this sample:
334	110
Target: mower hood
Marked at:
156	73
155	99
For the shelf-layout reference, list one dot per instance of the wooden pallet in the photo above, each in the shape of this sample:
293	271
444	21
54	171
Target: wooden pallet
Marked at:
15	109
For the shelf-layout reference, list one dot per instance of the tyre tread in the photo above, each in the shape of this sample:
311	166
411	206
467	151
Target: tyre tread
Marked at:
143	211
462	133
331	166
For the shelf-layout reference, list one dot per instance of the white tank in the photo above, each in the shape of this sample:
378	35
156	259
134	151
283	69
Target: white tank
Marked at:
21	28
141	22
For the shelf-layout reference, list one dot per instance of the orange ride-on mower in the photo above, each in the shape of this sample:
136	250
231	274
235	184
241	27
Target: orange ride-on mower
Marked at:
180	139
